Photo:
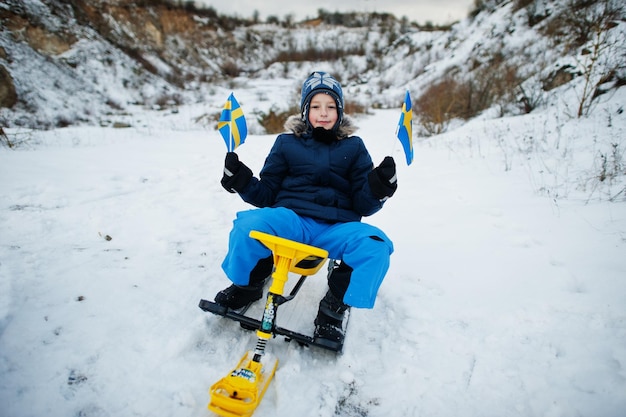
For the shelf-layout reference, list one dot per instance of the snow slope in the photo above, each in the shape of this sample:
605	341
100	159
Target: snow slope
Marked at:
503	299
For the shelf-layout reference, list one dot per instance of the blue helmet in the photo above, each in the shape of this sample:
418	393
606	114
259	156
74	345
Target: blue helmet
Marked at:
321	82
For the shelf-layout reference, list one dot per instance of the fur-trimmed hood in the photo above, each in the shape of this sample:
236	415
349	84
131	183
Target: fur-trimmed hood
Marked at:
296	125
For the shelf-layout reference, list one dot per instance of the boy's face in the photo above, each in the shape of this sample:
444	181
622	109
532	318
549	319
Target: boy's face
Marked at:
323	111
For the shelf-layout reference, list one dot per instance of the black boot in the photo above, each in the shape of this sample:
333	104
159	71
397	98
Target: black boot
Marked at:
238	296
329	321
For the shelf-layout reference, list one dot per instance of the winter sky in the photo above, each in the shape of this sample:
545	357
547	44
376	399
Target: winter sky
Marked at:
421	11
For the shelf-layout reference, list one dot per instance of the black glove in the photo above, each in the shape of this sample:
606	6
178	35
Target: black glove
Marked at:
236	174
383	181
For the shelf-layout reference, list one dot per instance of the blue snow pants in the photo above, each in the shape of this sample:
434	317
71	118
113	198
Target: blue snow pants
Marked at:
365	248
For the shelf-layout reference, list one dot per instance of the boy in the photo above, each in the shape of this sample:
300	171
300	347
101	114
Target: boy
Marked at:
317	183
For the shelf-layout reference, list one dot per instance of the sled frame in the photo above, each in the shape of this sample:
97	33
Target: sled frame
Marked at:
239	393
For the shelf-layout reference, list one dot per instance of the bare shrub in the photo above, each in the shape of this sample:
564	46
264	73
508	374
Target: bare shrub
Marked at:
583	19
496	83
521	4
274	120
606	173
579	20
536	10
4	139
585	27
439	104
612	163
313	54
13	140
353	107
168	100
483	5
529	98
492	83
230	68
602	54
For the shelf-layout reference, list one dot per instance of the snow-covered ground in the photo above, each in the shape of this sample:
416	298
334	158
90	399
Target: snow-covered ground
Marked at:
506	294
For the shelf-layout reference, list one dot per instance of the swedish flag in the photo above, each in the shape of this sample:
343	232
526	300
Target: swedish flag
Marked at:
404	132
232	124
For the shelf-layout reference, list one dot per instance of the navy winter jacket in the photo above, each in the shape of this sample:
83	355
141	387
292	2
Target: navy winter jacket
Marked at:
327	182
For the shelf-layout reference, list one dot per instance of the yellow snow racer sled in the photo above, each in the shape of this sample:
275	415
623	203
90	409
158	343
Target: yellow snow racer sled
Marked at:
239	393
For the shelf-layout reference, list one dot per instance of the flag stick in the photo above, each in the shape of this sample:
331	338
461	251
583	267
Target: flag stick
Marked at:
231	144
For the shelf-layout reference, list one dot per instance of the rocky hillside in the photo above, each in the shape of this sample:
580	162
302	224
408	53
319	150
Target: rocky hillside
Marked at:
78	61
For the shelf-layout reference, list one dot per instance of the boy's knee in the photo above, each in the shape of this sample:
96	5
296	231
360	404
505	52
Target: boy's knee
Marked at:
382	242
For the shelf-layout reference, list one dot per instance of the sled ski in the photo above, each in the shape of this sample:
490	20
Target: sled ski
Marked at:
240	392
250	323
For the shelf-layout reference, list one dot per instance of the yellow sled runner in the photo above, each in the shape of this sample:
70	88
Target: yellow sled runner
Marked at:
240	392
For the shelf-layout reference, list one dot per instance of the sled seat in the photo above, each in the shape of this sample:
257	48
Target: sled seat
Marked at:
299	258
